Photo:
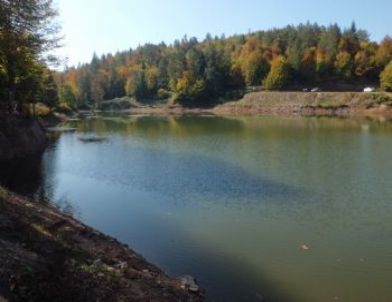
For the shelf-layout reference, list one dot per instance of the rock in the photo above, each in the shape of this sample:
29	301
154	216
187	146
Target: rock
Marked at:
194	288
122	266
188	282
97	263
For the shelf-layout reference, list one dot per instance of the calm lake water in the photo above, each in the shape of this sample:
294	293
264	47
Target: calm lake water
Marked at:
232	200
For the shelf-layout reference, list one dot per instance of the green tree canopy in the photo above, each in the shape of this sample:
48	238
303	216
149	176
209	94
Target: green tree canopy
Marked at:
278	76
386	77
27	34
198	72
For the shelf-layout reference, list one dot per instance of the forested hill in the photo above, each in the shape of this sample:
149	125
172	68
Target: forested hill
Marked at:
194	72
189	71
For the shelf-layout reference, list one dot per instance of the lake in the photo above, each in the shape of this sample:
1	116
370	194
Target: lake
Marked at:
256	208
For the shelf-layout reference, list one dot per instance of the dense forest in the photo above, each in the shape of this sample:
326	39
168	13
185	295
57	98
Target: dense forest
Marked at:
193	73
188	72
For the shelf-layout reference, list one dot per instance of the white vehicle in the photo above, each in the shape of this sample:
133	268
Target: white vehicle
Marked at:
369	89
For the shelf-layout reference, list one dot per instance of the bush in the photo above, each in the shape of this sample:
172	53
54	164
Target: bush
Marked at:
386	78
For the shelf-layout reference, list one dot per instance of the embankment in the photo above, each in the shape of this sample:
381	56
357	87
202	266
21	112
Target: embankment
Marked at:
285	103
20	137
309	103
48	256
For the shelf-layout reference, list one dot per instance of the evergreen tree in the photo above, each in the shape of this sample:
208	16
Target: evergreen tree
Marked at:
195	72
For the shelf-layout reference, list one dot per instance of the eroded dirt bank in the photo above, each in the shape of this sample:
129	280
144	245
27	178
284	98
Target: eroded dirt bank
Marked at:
310	103
48	256
20	137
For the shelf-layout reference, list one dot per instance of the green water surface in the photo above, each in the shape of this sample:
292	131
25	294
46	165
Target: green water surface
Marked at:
232	200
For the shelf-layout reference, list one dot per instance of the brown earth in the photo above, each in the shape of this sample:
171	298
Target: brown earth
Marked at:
20	137
287	103
310	103
48	256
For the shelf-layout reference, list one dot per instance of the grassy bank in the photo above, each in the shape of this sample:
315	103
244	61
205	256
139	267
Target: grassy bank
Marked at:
48	256
310	103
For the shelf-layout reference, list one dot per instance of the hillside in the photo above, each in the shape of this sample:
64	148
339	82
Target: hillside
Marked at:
196	73
342	103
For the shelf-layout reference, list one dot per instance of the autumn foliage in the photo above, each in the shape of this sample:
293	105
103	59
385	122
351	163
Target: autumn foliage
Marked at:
193	72
386	77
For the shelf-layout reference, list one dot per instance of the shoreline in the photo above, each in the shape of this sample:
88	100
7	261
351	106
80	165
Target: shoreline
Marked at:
286	103
47	255
311	103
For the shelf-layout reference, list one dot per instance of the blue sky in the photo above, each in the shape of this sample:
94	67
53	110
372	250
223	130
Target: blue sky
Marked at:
109	25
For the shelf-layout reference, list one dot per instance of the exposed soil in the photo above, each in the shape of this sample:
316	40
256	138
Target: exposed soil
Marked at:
20	137
286	103
310	103
48	256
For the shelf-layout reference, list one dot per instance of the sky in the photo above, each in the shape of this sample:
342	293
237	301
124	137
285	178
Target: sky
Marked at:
104	26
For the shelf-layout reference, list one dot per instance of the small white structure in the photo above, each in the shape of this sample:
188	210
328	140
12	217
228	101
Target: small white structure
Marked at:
369	89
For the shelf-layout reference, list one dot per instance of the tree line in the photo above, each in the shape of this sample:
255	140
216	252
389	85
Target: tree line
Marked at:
188	71
193	73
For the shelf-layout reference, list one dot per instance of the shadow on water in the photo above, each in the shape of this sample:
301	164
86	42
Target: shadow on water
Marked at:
172	174
223	278
226	279
33	177
145	161
177	175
